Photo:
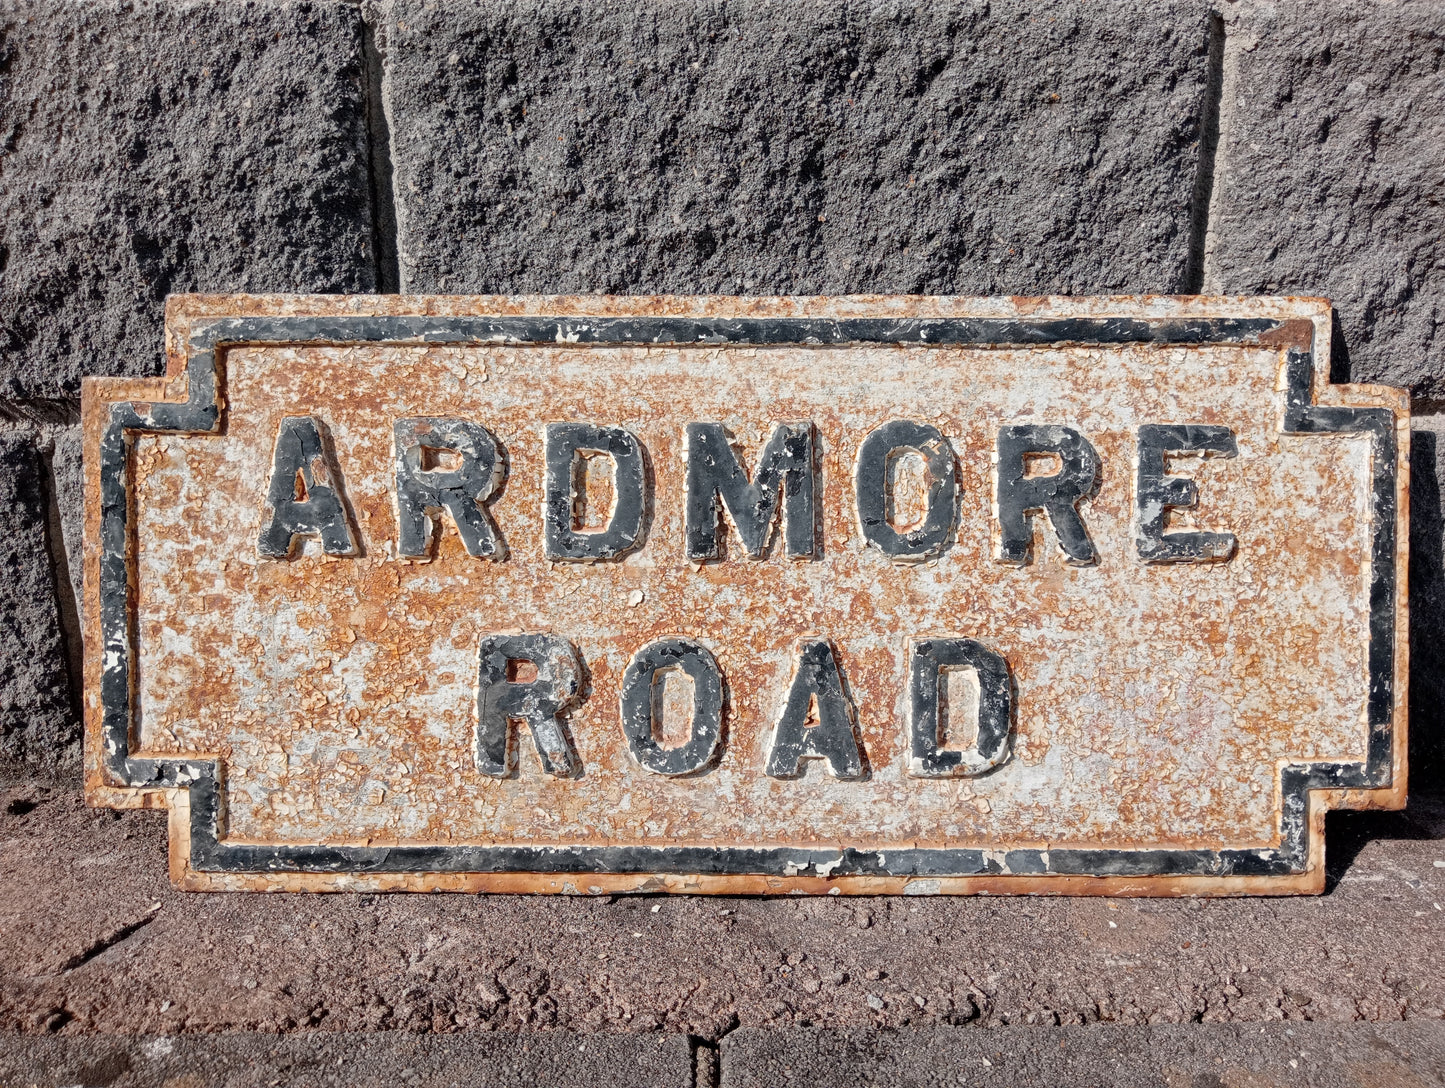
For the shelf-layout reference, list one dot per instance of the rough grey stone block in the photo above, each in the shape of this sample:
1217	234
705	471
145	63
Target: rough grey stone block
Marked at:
345	1060
807	147
68	481
38	725
152	147
1332	174
1310	1055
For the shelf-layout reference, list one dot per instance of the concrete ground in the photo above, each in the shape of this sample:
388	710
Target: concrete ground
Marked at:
93	939
1315	1055
337	1060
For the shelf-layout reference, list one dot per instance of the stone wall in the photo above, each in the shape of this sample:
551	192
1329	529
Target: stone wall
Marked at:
672	146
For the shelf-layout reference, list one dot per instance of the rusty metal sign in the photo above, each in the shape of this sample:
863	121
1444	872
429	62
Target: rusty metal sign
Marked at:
860	595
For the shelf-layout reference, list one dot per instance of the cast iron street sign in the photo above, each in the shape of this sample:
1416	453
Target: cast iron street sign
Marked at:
706	594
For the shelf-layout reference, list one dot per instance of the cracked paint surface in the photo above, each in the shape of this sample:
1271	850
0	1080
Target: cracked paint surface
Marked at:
1154	703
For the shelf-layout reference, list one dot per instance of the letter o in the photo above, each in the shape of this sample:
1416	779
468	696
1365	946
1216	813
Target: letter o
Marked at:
707	700
871	483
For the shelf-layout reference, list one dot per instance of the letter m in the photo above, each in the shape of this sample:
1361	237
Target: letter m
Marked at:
713	473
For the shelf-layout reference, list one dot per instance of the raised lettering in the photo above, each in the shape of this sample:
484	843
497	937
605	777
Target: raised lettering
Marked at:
713	473
505	697
1158	493
304	498
875	484
930	661
566	442
817	684
641	701
1021	494
424	490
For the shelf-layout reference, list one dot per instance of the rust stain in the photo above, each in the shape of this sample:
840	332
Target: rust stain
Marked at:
1155	704
1297	333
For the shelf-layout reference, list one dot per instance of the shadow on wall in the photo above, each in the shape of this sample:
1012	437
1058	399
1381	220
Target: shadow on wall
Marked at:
1347	833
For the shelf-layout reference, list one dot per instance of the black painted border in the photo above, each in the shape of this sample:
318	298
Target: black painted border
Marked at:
201	414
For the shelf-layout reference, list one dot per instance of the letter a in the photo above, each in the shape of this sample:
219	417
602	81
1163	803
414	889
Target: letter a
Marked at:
303	499
816	679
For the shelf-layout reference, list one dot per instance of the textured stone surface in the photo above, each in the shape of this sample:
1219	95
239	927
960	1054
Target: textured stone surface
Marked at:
1304	1055
1331	177
65	458
800	148
94	939
38	725
338	1060
156	147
